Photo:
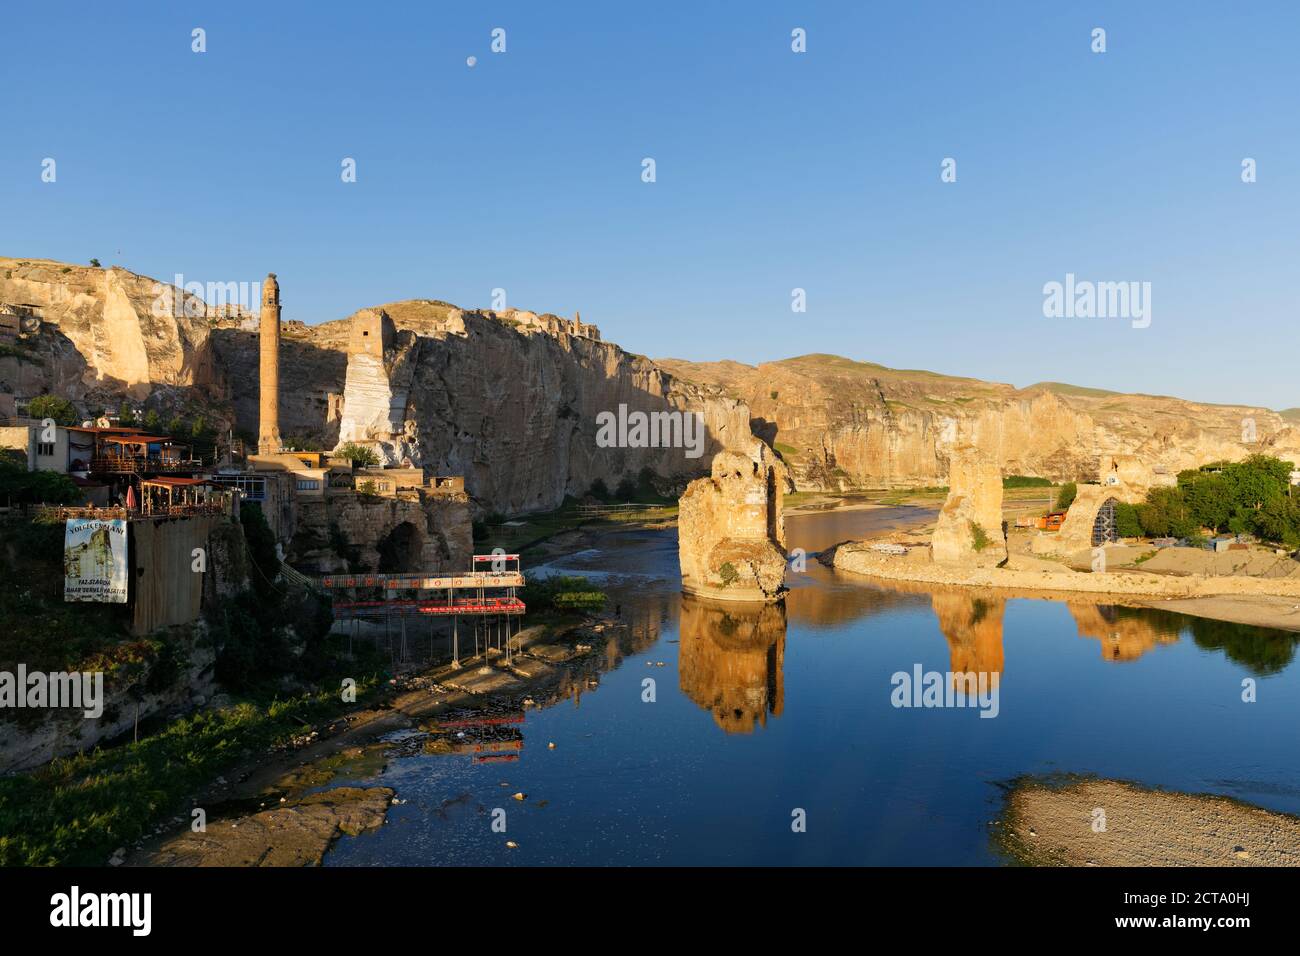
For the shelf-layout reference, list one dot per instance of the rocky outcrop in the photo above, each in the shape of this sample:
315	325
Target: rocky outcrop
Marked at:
731	531
296	835
424	532
969	527
130	332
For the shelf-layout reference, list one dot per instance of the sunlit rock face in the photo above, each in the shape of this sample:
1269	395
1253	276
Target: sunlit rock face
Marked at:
969	527
731	659
844	424
129	331
731	529
511	400
377	389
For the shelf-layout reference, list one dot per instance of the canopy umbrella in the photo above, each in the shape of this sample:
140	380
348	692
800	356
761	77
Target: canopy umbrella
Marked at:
130	497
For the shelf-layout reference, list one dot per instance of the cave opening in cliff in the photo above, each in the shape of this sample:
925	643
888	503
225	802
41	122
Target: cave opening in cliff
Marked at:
400	550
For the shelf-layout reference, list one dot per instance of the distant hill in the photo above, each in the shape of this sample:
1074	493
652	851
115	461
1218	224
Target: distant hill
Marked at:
843	423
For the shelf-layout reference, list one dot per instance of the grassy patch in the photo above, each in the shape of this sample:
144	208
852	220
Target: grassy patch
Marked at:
78	810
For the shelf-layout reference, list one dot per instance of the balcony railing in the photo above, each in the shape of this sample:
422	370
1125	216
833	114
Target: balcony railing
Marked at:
136	465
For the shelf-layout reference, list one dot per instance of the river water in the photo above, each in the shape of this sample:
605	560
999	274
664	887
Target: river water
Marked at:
765	717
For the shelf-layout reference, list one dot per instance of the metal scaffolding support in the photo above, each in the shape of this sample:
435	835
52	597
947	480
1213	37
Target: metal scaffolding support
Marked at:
489	598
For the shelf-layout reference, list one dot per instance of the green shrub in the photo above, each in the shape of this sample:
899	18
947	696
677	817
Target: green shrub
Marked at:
979	538
359	455
1066	496
52	406
561	594
1127	523
1025	481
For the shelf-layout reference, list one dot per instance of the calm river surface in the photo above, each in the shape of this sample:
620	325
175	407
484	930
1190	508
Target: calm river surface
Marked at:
760	712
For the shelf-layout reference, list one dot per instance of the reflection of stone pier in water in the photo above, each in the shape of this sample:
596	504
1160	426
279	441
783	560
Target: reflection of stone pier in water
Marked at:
731	660
972	625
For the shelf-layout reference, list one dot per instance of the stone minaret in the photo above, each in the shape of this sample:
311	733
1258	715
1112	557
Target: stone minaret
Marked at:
268	433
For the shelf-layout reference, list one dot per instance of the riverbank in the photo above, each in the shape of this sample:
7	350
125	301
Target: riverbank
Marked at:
1087	822
1265	602
270	811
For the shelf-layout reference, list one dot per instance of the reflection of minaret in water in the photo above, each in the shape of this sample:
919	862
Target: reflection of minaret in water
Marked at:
972	624
268	327
731	660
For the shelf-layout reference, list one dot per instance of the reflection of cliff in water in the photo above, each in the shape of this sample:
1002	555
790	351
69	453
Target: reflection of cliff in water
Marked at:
731	659
971	620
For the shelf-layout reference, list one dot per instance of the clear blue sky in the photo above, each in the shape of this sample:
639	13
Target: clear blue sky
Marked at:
775	171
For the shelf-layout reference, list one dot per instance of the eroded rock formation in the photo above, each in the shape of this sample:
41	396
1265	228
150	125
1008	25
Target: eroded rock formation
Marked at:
969	527
731	530
106	331
843	424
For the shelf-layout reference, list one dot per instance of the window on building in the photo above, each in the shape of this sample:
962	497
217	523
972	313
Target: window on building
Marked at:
45	449
308	484
252	487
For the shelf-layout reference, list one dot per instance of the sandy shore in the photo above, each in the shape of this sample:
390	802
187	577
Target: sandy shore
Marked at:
1113	823
1266	602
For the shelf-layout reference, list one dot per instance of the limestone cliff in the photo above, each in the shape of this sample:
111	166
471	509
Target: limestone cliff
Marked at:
509	400
109	331
842	424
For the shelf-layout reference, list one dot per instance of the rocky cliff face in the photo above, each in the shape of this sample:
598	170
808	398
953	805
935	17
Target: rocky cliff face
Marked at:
509	400
842	424
511	406
109	332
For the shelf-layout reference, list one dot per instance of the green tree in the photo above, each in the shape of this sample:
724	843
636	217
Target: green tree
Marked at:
152	420
359	455
18	485
125	414
1066	496
1127	523
95	264
52	406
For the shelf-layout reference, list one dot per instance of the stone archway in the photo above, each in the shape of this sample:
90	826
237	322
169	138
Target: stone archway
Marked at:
1104	528
1090	521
